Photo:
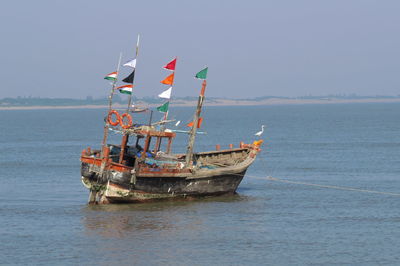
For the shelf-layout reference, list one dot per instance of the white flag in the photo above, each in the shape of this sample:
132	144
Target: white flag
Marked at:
131	63
166	94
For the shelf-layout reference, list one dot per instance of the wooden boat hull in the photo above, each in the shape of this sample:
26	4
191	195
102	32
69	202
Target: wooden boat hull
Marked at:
152	189
117	183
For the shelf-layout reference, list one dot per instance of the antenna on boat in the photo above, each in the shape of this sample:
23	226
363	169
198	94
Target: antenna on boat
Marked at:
189	154
110	97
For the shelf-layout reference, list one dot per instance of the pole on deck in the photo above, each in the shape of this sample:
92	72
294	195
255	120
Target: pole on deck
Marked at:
110	97
193	131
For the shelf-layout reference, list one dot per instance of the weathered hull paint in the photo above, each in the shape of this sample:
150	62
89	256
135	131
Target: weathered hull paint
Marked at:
151	189
117	183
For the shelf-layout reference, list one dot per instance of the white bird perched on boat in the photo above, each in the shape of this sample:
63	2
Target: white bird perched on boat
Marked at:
259	133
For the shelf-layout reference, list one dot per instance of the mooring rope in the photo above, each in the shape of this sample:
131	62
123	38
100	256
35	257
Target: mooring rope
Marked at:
274	179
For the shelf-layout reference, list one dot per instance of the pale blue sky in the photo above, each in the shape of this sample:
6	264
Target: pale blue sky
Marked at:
253	48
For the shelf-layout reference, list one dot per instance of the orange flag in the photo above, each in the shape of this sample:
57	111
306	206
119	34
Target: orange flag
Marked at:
168	80
198	123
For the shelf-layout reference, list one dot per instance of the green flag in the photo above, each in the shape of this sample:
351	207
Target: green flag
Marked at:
202	74
163	108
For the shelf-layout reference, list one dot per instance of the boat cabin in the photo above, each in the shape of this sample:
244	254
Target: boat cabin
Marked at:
147	145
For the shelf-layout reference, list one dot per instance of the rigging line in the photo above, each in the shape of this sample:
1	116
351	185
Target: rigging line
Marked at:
274	179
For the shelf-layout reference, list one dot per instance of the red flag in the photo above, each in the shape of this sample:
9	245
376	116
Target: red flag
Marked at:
171	65
168	80
198	123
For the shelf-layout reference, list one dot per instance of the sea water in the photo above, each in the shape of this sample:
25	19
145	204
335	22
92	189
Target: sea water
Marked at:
44	218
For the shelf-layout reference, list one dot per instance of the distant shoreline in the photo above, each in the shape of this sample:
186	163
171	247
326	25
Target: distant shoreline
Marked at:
220	102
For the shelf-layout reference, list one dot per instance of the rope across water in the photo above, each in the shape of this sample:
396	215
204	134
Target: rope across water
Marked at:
273	179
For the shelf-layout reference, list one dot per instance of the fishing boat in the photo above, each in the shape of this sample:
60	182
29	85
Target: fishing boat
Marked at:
138	170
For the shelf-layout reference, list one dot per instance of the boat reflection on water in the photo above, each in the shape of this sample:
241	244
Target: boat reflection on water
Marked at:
127	220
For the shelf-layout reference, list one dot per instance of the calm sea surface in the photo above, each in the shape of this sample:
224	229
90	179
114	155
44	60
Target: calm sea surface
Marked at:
45	220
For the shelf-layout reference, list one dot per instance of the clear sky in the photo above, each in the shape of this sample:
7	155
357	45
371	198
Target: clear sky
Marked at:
252	48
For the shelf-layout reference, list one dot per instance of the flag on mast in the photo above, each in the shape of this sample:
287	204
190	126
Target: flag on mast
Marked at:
131	63
166	94
198	123
163	108
202	74
171	65
112	76
130	78
126	89
168	80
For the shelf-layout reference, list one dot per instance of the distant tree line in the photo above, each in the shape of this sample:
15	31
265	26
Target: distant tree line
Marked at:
38	101
89	100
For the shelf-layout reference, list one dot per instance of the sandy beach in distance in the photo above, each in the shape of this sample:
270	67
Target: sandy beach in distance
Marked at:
220	102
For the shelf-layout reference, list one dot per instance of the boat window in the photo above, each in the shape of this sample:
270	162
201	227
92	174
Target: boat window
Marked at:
164	145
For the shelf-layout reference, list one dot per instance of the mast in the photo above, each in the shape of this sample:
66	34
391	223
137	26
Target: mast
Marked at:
110	97
130	96
189	153
125	138
173	71
165	119
166	95
170	82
